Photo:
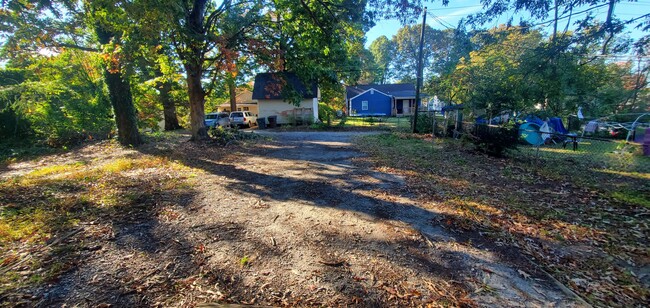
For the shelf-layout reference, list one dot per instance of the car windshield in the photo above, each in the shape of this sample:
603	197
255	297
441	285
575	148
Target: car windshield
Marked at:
211	116
237	114
223	115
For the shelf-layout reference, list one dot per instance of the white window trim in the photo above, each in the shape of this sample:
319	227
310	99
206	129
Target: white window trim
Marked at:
364	105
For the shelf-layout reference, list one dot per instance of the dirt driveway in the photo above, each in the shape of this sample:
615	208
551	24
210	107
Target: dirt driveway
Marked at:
298	220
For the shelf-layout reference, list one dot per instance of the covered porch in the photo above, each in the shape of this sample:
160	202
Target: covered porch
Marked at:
402	106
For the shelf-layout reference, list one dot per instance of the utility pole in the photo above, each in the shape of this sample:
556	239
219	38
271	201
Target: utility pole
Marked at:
418	83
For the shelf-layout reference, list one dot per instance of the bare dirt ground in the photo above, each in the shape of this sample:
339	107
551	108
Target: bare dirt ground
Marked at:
294	221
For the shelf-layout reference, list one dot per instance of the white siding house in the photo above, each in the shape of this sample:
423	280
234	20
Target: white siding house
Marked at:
268	90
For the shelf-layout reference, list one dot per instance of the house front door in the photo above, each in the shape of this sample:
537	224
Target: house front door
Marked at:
400	106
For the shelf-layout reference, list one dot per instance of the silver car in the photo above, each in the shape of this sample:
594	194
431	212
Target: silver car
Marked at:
243	118
215	119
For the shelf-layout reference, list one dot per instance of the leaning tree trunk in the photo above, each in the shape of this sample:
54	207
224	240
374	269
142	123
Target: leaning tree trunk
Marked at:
119	91
197	102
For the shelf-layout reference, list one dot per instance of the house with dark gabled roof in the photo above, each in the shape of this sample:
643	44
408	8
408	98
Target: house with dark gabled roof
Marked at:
272	91
380	100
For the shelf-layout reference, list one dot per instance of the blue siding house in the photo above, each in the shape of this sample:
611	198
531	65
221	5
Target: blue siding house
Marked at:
380	100
371	102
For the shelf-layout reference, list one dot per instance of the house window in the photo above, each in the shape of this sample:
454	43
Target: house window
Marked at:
238	108
245	108
372	91
364	105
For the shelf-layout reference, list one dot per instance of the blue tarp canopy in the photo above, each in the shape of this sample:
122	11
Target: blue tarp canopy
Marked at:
557	125
534	119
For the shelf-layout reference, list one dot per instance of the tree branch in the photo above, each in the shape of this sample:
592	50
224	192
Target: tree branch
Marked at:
74	46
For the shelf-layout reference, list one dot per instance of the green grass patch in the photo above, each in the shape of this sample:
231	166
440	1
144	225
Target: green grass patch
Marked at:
636	198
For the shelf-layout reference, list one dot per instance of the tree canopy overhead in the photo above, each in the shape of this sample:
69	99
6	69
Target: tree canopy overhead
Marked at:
163	59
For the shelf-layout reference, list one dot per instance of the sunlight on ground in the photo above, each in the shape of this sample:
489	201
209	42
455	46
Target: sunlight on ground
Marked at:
638	175
54	199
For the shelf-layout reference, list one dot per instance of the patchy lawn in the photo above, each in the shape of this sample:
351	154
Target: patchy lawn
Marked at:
583	221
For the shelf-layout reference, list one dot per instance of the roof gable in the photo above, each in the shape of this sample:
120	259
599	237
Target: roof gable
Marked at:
371	90
272	86
395	89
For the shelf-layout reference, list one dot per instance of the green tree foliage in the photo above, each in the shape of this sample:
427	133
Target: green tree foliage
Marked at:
97	26
320	41
383	51
13	123
407	41
563	14
491	76
60	99
521	70
396	58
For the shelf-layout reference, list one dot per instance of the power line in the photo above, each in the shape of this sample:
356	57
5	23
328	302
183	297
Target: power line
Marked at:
457	7
442	22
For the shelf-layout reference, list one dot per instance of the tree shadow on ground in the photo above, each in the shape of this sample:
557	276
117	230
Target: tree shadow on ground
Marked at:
317	190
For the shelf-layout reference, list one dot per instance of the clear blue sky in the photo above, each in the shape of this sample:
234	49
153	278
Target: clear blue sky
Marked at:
457	9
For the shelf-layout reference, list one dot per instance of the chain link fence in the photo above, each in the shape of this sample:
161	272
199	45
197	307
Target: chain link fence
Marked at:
552	149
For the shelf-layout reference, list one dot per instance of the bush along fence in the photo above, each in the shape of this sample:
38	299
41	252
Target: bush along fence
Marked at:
539	148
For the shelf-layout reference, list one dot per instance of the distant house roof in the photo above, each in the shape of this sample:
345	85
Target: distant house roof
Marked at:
272	85
243	96
396	89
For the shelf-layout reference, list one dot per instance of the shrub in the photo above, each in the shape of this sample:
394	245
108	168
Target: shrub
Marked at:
226	136
425	122
319	125
494	141
343	120
325	113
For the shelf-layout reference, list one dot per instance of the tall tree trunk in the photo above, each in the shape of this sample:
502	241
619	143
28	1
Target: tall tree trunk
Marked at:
197	101
126	119
169	107
194	70
119	91
232	90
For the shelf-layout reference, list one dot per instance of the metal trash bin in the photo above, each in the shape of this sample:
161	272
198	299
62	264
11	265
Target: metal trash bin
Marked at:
273	121
261	123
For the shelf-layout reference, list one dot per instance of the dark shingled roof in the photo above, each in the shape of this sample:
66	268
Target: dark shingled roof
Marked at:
397	89
270	86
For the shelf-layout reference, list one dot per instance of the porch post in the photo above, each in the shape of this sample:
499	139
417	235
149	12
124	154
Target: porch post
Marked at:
315	109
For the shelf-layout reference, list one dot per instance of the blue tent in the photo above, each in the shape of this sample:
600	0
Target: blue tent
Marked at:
530	132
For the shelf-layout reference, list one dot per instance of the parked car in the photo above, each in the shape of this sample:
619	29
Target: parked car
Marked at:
243	118
215	119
